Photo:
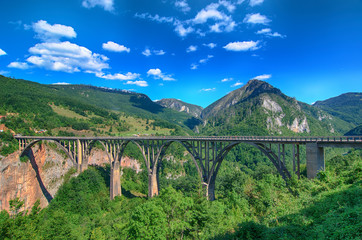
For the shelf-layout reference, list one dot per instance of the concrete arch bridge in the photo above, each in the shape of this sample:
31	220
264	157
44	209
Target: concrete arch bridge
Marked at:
208	153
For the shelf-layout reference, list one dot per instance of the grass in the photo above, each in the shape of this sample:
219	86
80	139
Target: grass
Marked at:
66	112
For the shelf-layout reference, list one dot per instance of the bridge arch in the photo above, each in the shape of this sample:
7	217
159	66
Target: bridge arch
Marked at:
91	146
29	145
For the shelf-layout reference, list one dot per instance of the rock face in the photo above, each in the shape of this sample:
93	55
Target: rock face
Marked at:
38	178
181	106
41	176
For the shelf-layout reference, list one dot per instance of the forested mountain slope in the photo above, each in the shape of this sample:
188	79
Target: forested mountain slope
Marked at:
261	109
347	106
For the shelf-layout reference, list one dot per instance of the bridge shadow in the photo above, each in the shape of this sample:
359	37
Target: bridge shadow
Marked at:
105	172
34	165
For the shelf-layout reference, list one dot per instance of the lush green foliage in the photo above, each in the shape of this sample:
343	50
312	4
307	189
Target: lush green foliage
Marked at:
247	208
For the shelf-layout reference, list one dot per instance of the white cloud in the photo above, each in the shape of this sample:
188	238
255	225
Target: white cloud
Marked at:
183	6
191	48
256	18
61	83
255	2
107	5
228	5
115	47
47	32
227	79
119	76
147	52
268	32
194	66
181	30
242	46
157	74
263	77
207	89
205	60
20	65
2	52
206	14
210	45
159	52
155	18
66	57
237	84
139	83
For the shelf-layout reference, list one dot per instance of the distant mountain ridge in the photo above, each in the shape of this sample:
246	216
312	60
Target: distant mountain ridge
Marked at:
347	106
258	108
181	106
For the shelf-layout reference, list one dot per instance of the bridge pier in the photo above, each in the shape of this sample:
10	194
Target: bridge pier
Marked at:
315	159
152	184
115	181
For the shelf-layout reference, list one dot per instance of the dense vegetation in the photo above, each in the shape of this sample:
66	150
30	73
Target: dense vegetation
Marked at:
346	106
248	206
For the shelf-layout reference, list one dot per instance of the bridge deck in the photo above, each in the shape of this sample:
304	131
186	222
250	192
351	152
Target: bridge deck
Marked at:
262	139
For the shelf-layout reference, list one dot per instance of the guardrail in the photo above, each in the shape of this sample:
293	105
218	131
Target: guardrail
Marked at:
284	139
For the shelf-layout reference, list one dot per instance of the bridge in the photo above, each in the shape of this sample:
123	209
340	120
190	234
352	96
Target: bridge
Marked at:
208	152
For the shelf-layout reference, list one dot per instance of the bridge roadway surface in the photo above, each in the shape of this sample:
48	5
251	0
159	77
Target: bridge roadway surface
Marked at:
207	153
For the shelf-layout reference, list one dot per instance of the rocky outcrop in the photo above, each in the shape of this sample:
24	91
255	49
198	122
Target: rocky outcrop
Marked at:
299	126
38	178
181	106
42	175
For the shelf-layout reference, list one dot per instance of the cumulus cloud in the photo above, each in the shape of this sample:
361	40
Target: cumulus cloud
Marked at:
207	89
191	48
115	47
147	52
20	65
242	46
2	52
66	57
139	83
205	60
263	77
182	5
48	32
268	32
256	18
107	5
237	84
157	74
206	14
210	45
119	76
255	2
181	30
194	66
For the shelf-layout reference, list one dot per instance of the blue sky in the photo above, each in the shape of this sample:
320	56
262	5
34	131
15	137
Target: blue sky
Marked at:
193	50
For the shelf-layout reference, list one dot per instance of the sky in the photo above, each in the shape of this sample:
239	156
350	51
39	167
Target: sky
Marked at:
193	50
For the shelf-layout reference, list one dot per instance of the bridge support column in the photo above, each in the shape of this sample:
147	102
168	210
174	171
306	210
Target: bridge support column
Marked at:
79	155
315	160
115	181
209	190
152	184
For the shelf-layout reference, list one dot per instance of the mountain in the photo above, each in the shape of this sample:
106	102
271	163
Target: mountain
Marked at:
347	106
85	110
258	108
357	131
181	106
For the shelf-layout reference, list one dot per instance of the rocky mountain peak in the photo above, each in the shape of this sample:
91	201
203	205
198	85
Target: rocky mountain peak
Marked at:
181	106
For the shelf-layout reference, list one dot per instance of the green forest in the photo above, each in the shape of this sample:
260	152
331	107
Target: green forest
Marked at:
252	203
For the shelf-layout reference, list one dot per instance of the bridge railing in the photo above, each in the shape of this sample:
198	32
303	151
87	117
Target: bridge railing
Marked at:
285	139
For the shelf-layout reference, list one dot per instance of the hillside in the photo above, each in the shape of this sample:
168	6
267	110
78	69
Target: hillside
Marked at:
357	131
261	109
59	106
181	106
346	106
